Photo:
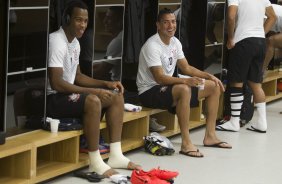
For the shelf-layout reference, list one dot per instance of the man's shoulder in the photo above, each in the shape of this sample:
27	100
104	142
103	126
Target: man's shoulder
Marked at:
57	36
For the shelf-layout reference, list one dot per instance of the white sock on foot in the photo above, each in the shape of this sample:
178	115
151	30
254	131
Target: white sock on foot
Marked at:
96	163
233	124
261	124
116	157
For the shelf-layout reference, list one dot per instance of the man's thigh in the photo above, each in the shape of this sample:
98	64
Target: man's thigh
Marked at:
65	105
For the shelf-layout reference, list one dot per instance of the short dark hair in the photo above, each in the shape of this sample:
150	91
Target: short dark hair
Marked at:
118	10
74	4
163	12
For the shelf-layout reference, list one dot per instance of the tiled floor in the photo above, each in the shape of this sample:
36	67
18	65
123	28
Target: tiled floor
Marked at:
255	158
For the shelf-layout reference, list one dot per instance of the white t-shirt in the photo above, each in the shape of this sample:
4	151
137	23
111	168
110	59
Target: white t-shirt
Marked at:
63	54
278	25
114	49
250	18
155	53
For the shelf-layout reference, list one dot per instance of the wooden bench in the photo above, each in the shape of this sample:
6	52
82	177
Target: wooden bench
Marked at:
40	155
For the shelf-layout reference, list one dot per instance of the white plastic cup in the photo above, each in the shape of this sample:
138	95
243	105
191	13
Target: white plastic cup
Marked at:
202	86
54	123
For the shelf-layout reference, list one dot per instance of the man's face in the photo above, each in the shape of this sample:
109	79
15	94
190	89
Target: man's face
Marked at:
167	25
111	22
78	22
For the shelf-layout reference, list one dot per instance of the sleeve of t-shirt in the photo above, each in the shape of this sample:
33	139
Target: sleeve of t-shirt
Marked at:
233	2
180	54
152	54
267	3
56	52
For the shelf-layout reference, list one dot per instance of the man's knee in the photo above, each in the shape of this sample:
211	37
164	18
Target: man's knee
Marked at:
92	102
118	99
181	90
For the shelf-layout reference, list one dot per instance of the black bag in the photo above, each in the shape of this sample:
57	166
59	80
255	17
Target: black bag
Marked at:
247	110
66	124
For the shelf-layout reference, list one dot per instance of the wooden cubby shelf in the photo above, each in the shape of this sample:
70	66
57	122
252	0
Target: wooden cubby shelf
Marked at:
40	155
269	85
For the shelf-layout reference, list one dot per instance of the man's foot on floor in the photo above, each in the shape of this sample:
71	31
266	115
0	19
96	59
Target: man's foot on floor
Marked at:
192	153
221	144
109	173
228	126
133	166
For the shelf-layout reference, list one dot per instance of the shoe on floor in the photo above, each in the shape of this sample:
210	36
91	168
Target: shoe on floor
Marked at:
155	127
138	177
161	174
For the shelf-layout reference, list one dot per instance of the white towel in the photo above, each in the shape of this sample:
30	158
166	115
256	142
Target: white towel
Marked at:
132	108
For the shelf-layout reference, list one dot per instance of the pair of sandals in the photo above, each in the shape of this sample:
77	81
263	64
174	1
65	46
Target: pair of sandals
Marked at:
90	176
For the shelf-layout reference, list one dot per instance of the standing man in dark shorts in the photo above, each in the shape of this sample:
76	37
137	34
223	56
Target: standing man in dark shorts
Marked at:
246	42
159	89
72	94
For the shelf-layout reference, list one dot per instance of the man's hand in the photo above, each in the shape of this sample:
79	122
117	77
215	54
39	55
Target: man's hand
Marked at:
193	81
116	85
230	44
217	82
105	96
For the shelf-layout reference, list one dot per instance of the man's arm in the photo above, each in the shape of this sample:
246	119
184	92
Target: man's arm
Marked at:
231	19
84	80
270	20
59	84
163	79
187	69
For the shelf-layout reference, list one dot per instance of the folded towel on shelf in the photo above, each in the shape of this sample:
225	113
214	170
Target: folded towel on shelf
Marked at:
132	108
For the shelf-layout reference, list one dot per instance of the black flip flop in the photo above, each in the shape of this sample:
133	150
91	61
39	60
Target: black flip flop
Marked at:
220	128
90	176
188	153
255	130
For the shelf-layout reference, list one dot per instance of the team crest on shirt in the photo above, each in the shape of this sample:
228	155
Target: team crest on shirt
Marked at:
74	97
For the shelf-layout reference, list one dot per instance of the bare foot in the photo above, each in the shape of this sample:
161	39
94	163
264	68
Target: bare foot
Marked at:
109	173
191	150
216	143
133	166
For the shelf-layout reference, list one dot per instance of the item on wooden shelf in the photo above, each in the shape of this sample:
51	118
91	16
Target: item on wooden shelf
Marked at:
132	108
155	127
103	147
279	85
66	124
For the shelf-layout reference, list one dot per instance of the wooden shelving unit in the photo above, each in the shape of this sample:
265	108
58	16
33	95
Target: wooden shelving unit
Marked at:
269	85
40	155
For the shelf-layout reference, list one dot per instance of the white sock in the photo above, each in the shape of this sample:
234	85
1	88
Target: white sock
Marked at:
233	124
116	157
96	163
236	101
262	122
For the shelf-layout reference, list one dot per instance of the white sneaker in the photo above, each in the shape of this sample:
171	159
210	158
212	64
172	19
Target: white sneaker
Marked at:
155	127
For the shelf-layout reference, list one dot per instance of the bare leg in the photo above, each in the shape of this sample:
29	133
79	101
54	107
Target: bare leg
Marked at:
114	119
181	98
274	41
258	92
212	94
91	119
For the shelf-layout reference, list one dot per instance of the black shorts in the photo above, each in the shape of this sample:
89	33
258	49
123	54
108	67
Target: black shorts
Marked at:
245	60
160	97
65	105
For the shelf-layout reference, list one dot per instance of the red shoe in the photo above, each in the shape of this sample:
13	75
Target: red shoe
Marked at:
137	177
162	174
